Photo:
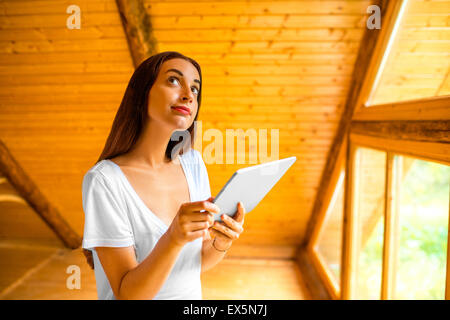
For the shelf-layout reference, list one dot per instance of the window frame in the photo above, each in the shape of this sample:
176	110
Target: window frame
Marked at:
429	151
421	144
421	109
332	286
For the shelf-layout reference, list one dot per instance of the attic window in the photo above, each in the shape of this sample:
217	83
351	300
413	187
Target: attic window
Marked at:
415	63
398	218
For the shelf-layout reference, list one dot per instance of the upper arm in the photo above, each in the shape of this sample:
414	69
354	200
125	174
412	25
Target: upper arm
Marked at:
116	262
107	229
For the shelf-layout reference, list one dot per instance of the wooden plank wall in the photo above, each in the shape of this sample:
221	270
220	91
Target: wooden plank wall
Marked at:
419	64
282	65
59	91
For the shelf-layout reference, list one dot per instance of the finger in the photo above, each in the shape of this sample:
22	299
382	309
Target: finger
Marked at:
239	217
233	224
214	233
210	199
197	234
226	231
196	226
202	205
201	217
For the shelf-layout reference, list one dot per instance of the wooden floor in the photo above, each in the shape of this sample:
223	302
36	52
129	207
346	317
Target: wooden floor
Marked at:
259	279
40	273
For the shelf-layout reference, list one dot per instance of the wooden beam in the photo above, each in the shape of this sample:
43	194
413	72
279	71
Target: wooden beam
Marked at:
428	151
138	29
427	131
435	108
312	279
23	184
332	285
349	233
366	54
389	243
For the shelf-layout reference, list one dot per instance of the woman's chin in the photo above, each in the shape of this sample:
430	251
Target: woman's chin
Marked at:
180	125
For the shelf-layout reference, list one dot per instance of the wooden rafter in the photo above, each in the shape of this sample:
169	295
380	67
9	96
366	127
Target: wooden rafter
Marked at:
433	131
23	184
311	276
138	29
369	55
434	108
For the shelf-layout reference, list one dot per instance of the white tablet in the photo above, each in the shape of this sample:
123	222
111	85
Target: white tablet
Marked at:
250	185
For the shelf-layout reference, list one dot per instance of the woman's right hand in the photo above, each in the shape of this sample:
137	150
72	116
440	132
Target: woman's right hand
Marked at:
190	224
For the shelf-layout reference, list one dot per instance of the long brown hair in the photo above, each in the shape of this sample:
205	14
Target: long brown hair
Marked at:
132	114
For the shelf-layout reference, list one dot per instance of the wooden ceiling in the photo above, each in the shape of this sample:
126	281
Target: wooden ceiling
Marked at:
274	65
283	65
60	89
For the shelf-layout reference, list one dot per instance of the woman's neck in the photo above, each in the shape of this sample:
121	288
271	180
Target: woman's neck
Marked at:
150	149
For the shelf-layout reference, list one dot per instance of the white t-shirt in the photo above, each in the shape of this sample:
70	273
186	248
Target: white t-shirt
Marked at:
115	216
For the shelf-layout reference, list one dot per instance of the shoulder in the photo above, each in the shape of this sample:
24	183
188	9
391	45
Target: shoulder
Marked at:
103	172
199	174
192	157
194	162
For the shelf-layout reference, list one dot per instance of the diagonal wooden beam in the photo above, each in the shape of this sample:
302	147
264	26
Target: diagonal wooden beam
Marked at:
138	29
23	184
313	281
427	131
370	52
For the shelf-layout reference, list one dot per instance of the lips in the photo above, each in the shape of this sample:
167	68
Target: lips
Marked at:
182	109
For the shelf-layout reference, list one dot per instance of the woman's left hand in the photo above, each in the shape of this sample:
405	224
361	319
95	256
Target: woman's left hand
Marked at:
230	229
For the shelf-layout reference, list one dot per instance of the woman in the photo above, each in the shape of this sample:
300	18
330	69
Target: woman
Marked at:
147	200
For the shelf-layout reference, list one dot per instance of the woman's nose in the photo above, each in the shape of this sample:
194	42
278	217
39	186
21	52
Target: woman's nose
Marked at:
188	95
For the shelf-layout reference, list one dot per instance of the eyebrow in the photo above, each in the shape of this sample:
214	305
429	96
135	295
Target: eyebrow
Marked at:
181	74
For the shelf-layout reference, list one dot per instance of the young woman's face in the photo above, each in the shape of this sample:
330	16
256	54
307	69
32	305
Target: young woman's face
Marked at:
177	84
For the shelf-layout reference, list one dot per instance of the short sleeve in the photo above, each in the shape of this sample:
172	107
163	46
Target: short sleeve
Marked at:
106	223
204	185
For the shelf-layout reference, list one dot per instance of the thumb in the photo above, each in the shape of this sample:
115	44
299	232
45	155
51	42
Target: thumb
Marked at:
240	212
210	199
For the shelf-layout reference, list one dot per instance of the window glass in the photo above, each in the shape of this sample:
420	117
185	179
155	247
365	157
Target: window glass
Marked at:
368	194
422	206
329	243
418	63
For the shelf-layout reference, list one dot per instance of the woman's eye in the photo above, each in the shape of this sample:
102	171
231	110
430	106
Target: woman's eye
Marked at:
172	78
